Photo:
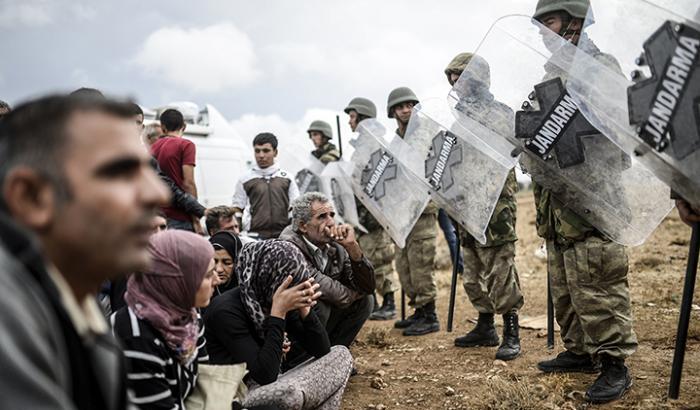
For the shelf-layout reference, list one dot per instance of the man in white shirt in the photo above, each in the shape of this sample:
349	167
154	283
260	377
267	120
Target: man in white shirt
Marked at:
265	190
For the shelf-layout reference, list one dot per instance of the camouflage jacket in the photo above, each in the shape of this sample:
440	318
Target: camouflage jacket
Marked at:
501	229
555	221
327	153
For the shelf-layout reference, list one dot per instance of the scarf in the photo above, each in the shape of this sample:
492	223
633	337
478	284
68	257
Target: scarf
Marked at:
231	243
164	295
262	267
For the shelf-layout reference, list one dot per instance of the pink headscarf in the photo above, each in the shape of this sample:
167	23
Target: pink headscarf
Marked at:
164	295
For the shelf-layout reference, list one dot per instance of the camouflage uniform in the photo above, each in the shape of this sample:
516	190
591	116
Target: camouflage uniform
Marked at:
327	153
377	246
414	263
490	276
588	273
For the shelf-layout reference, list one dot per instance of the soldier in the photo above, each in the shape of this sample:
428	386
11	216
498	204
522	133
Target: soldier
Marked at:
588	272
376	243
321	133
415	262
490	276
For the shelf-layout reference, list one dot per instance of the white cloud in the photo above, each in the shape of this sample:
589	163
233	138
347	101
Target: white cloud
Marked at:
19	13
208	60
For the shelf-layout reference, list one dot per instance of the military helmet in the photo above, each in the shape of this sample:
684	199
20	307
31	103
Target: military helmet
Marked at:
575	8
398	96
322	127
362	106
458	64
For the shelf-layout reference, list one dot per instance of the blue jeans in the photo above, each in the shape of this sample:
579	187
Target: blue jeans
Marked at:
451	237
182	225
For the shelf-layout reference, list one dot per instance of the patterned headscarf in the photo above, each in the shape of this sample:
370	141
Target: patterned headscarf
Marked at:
164	295
262	267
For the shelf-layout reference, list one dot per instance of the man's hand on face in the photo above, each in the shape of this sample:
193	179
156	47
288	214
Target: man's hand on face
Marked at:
688	213
345	235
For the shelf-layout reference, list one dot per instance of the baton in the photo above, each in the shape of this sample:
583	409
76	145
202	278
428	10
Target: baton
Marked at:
453	284
340	140
403	305
550	315
684	318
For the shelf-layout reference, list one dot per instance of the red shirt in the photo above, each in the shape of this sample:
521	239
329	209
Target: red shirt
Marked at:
172	153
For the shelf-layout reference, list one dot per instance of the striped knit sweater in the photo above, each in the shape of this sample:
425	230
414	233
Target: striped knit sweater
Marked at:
155	379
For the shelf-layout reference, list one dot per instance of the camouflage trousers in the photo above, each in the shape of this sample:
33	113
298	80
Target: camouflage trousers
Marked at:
491	279
414	263
591	296
379	249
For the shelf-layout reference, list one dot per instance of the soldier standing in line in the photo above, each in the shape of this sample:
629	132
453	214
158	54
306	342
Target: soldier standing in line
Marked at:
588	272
414	263
376	243
490	276
321	134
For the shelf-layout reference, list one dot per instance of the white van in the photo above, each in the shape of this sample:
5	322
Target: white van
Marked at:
221	153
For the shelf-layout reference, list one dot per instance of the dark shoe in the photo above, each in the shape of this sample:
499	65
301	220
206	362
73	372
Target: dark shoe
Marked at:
483	334
510	347
613	382
375	304
428	323
567	362
403	324
387	311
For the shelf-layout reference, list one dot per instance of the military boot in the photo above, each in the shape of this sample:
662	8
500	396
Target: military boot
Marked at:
510	347
404	323
375	304
613	382
483	334
568	362
388	309
428	323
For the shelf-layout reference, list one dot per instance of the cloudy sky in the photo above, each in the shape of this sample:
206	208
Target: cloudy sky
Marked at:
265	65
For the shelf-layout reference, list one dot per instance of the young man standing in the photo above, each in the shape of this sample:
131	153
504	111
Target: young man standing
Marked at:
265	190
176	158
415	261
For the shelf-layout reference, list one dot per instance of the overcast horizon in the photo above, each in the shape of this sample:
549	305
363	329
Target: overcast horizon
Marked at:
274	67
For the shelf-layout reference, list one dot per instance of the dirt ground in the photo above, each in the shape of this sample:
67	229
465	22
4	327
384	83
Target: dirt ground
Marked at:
428	372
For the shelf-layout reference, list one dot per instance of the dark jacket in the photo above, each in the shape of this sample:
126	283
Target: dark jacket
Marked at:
343	281
232	338
44	363
180	199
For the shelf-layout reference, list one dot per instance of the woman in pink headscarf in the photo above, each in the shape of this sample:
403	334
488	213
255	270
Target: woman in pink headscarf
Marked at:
160	328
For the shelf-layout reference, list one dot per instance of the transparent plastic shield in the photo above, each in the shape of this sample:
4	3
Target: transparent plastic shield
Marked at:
337	186
465	177
390	192
522	69
650	104
308	179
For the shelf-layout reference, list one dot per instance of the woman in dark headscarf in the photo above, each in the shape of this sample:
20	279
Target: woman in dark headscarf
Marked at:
247	324
227	246
160	328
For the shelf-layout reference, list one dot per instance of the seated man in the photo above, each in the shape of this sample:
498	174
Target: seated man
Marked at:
221	218
345	276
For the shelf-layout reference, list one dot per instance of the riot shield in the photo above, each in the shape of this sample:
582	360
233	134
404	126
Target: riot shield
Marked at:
337	186
522	67
652	107
308	179
464	176
395	197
